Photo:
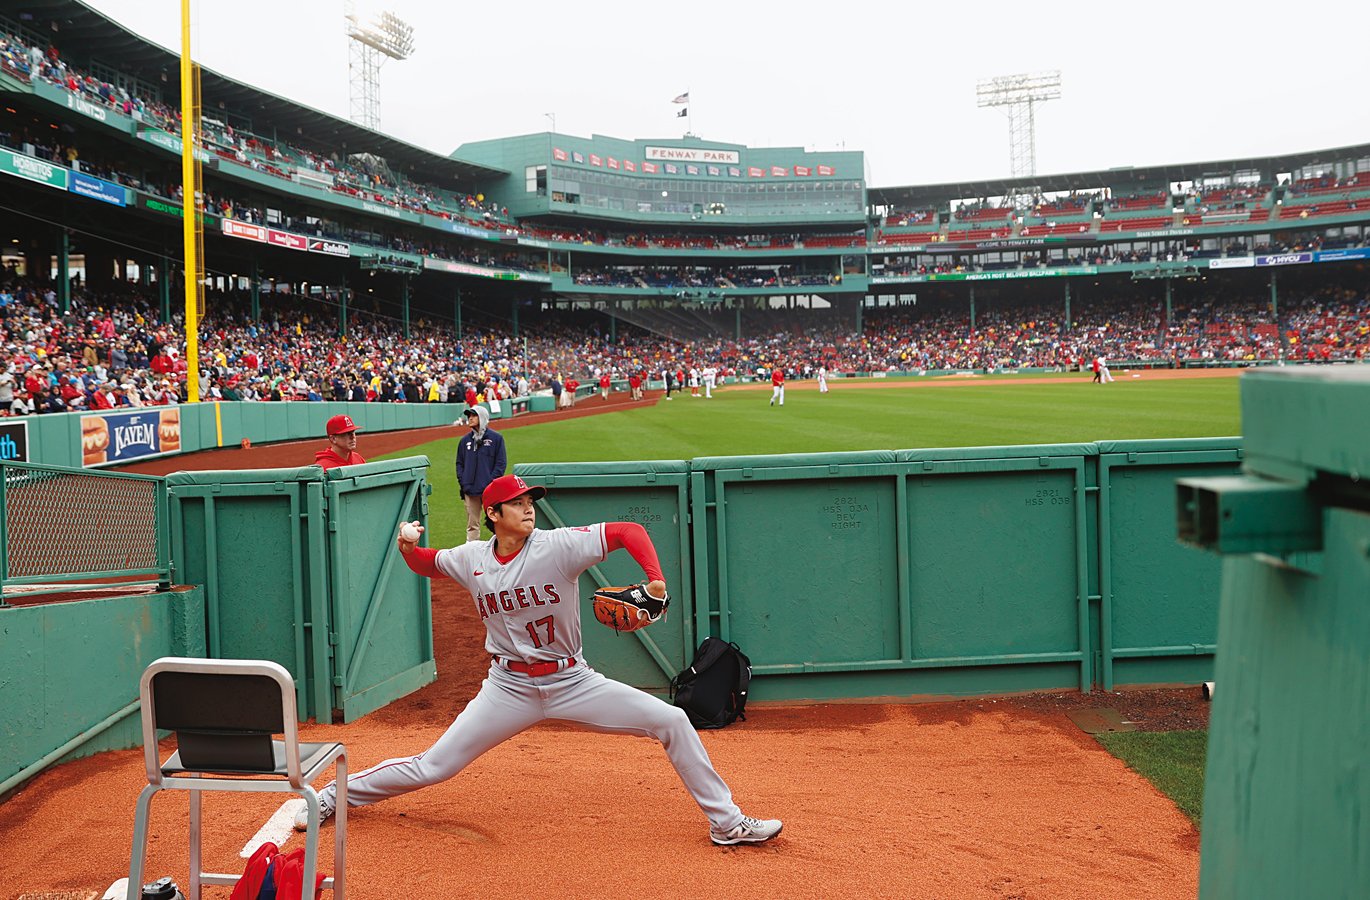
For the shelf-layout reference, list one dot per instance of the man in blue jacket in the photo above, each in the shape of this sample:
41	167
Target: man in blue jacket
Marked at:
480	460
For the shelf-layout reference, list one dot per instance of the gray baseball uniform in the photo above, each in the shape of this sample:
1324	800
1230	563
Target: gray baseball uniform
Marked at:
531	610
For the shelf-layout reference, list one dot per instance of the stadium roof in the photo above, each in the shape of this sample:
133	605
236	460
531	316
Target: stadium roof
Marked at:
917	195
81	32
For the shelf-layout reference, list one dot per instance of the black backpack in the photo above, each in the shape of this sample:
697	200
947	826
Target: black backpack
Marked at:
713	690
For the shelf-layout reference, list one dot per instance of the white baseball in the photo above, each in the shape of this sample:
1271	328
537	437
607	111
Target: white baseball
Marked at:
409	533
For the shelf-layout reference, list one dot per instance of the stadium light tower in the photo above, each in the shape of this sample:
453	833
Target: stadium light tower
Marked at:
1019	94
373	40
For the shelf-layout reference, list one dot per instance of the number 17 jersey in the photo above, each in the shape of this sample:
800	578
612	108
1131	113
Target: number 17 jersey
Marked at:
530	606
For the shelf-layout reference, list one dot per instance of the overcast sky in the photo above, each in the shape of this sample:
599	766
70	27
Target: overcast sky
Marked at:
1143	83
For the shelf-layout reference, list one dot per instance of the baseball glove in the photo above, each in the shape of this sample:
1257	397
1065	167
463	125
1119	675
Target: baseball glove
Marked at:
628	608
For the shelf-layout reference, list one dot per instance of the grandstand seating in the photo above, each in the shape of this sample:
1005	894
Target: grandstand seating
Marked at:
1058	229
984	214
909	237
1138	223
1326	208
981	234
1147	201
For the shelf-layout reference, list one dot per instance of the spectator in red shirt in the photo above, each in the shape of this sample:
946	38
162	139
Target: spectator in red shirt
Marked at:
103	398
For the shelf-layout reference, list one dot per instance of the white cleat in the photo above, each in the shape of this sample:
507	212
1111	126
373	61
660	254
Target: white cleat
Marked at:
302	817
749	831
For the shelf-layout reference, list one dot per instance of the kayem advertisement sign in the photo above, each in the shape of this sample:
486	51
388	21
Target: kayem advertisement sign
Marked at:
114	437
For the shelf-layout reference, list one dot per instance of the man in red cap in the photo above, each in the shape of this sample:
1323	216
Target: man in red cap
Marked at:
342	444
524	582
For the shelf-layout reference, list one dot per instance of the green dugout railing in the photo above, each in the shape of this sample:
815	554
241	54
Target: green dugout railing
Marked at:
63	527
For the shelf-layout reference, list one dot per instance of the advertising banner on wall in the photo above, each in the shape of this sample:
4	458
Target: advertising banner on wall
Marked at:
98	189
38	170
14	441
116	436
330	248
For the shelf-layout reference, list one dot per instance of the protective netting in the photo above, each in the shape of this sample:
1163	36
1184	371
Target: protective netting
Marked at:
59	522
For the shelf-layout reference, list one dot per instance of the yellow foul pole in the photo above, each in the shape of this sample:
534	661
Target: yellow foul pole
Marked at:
191	214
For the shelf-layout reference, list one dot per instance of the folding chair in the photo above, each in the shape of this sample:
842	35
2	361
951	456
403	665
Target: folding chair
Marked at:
225	713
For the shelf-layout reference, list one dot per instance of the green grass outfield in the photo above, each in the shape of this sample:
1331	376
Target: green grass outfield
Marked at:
1171	760
739	422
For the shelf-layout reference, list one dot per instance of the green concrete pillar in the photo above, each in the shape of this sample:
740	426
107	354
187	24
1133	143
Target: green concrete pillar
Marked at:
1275	312
972	309
1067	328
256	294
342	318
515	317
405	294
164	287
64	272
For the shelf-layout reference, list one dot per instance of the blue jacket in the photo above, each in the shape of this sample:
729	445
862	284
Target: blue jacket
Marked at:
480	457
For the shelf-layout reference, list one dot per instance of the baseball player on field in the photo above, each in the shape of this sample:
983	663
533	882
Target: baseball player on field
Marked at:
777	385
822	379
523	581
710	381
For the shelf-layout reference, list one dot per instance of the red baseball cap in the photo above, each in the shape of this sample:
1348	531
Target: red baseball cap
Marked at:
341	425
507	487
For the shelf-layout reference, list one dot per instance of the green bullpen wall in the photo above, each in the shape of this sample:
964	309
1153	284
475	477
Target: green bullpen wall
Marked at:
914	572
299	567
55	440
71	670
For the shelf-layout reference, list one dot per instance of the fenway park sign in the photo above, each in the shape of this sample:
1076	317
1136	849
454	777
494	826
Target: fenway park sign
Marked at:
693	155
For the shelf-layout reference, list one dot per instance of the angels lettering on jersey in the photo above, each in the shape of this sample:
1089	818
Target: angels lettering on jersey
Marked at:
492	603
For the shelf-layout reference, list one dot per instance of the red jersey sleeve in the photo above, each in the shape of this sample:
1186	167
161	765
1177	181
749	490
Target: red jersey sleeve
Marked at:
423	561
633	537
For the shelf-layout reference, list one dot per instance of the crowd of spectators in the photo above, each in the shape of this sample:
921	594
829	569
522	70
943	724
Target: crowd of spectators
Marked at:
703	277
111	350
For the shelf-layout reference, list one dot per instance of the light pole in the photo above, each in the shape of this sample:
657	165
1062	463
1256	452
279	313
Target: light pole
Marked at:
553	117
1019	94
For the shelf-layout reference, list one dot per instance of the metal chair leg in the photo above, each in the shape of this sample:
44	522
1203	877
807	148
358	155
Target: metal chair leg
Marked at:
340	830
138	856
196	869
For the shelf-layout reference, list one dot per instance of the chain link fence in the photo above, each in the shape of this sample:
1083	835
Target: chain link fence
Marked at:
60	526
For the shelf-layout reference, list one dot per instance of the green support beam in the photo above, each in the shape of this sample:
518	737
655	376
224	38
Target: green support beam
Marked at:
406	307
64	271
164	287
256	293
